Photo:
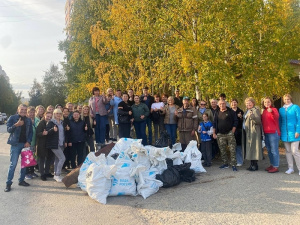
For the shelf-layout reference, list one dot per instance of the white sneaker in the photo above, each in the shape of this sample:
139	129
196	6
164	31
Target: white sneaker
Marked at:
57	178
290	171
238	164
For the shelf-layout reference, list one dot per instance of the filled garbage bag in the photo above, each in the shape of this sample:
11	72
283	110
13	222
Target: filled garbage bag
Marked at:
186	174
193	156
90	158
147	185
140	155
98	181
170	177
122	181
164	140
123	145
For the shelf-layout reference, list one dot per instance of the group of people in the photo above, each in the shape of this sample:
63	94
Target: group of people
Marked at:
64	135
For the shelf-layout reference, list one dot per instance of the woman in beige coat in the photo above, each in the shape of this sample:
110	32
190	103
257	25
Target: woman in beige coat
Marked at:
251	138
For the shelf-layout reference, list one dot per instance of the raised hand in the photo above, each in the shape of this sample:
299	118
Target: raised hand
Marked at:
55	128
19	123
67	127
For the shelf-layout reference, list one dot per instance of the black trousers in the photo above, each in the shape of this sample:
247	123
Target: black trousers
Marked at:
124	130
68	155
78	149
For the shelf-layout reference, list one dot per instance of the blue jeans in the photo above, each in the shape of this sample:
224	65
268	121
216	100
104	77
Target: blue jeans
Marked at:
140	129
149	125
100	128
239	154
272	142
171	130
15	151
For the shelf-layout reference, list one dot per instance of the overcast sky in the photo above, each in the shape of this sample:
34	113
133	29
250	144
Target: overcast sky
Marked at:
29	34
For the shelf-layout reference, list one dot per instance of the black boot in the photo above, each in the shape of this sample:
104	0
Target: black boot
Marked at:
255	164
8	188
251	165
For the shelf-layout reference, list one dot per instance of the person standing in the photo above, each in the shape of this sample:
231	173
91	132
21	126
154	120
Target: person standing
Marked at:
140	112
68	147
39	112
147	99
157	117
20	129
289	121
270	125
206	130
214	108
56	142
251	136
187	123
124	117
178	99
70	106
99	113
238	132
45	156
131	96
90	123
224	127
170	119
114	102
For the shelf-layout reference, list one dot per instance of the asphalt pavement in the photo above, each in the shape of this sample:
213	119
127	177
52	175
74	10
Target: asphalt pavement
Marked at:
216	197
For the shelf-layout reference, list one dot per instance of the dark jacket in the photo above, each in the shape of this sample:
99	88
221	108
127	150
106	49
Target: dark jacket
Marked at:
89	122
138	110
238	132
150	102
52	137
41	139
123	112
232	117
66	123
78	133
16	131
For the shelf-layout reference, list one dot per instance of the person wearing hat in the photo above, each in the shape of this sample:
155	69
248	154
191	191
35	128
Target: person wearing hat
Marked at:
187	122
178	99
147	99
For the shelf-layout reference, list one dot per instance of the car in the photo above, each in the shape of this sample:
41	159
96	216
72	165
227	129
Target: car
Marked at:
4	116
1	119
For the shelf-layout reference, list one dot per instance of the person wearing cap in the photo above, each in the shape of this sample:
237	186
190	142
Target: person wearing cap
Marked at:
187	122
178	99
147	99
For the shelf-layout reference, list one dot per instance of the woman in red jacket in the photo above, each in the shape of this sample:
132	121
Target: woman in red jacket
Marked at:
270	124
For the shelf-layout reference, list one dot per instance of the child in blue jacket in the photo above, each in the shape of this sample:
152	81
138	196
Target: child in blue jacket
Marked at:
206	130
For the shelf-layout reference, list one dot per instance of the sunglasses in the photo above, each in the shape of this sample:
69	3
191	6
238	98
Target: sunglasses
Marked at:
202	104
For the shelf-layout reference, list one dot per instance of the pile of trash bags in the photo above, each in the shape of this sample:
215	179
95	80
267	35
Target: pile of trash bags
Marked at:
134	169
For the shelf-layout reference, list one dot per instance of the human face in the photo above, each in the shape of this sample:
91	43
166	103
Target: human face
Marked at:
233	104
156	99
59	107
70	107
66	113
136	99
125	98
176	93
22	111
222	105
164	99
170	101
30	114
85	110
50	109
48	117
79	108
118	94
202	104
145	92
130	92
185	103
267	103
57	116
205	118
249	105
110	92
287	100
213	103
76	116
97	93
41	111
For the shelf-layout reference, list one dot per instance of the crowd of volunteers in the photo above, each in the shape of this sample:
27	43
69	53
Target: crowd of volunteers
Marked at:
63	135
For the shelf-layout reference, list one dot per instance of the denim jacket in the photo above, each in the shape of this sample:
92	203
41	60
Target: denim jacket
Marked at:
16	131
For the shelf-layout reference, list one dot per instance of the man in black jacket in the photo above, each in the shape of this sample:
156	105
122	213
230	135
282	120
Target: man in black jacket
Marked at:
225	123
148	100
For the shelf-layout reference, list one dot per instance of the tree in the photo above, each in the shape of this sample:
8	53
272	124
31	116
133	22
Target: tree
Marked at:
54	85
35	94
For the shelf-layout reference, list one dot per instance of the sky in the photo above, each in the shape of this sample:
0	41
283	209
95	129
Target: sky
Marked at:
29	34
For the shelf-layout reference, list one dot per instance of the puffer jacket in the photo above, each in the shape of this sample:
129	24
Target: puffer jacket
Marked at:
187	121
52	137
289	123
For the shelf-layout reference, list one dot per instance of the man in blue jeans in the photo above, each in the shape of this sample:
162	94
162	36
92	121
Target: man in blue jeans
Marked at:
20	129
148	100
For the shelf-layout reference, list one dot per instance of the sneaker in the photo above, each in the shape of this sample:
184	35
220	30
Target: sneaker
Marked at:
58	178
234	169
289	171
43	177
273	170
23	183
239	164
28	177
50	175
8	188
224	166
269	168
34	175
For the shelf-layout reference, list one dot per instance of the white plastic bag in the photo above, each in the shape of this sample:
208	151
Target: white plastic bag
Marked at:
147	184
122	182
177	147
140	155
98	179
193	155
91	158
123	145
178	158
158	157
